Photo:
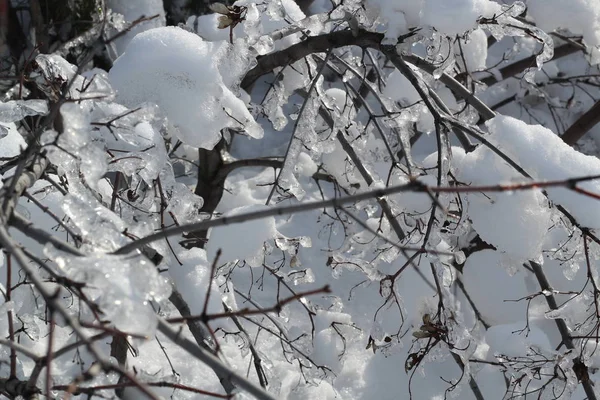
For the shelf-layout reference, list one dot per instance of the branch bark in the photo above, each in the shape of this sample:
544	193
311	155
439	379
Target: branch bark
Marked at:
583	125
521	65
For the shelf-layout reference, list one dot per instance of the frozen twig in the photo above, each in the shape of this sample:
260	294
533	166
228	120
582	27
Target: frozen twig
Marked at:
213	362
413	186
55	305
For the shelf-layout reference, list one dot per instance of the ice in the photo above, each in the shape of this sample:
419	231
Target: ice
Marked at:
255	31
98	85
52	72
121	285
304	136
184	204
95	221
152	159
16	110
11	143
339	98
505	24
180	72
292	78
300	277
76	153
292	11
196	85
472	51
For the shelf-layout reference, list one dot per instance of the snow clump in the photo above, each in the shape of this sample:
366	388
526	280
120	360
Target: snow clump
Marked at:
180	72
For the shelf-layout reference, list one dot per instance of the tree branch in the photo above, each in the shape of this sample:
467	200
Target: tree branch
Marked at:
579	367
214	363
412	186
583	125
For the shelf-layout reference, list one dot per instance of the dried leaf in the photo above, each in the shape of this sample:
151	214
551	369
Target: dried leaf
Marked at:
426	319
219	8
421	334
224	22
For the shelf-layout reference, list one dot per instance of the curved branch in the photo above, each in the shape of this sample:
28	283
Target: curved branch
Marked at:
364	39
312	44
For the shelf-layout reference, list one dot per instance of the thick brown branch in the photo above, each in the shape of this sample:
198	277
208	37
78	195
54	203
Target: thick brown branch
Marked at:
583	125
313	44
521	65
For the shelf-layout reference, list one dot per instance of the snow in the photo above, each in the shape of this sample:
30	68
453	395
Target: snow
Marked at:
180	72
449	17
399	88
315	345
578	16
501	306
399	15
328	344
305	165
11	142
454	17
472	51
239	241
546	157
133	10
525	216
192	280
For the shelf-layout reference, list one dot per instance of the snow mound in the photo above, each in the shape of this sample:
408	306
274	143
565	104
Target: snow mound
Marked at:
179	71
515	223
546	157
